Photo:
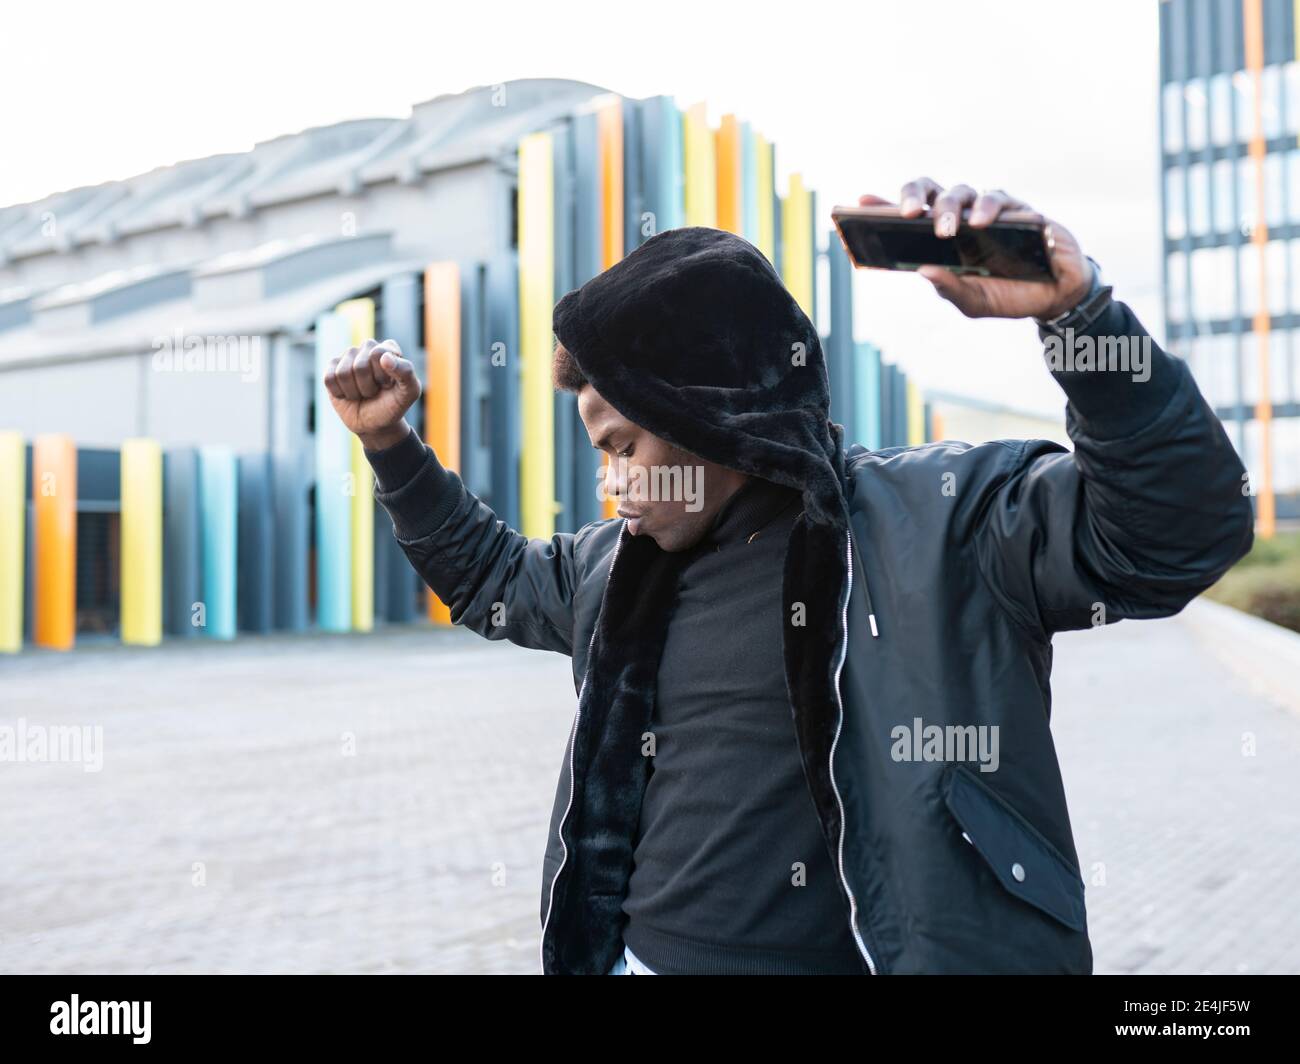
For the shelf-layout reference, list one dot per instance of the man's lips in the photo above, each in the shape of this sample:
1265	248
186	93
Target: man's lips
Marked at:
633	520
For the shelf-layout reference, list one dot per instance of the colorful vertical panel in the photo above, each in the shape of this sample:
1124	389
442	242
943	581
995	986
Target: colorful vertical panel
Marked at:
749	183
796	244
701	169
54	531
765	195
1265	503
867	397
915	415
442	387
360	316
536	301
142	542
13	530
730	189
219	523
333	486
609	131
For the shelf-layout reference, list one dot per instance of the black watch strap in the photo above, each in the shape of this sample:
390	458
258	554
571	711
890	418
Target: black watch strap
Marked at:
1079	317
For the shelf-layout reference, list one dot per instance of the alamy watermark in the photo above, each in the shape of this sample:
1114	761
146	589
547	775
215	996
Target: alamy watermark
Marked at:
83	744
193	353
1102	354
657	483
949	742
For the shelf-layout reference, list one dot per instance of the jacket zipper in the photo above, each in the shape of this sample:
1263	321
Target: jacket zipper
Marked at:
844	623
573	735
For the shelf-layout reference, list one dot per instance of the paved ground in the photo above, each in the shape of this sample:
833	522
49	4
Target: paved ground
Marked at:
380	803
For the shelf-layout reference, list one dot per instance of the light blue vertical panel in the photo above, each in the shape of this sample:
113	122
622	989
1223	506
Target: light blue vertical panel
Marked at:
867	389
219	520
662	165
502	344
333	487
749	182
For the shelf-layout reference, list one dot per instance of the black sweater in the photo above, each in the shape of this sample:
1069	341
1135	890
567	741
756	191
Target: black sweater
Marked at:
732	873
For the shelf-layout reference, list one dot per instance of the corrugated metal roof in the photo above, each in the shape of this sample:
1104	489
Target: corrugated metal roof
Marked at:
448	130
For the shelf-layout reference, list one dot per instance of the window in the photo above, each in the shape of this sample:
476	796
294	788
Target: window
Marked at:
1291	88
1221	109
1198	196
1274	190
1198	114
1177	292
1175	209
1225	217
1244	93
1212	295
1173	108
1270	104
1246	198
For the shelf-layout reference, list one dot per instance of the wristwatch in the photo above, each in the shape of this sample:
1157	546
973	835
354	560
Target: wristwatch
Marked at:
1082	314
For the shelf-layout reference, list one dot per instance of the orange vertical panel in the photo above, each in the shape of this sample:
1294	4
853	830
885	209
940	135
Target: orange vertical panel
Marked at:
609	132
442	379
1266	513
730	200
54	541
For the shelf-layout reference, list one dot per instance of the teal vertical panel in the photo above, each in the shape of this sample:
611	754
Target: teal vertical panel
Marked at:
256	551
588	254
839	346
182	542
219	521
399	308
887	405
867	389
749	181
633	176
333	487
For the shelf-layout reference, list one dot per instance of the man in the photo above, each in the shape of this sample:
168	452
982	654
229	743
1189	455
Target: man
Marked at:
813	713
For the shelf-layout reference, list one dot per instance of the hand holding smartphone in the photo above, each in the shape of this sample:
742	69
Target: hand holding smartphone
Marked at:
1016	246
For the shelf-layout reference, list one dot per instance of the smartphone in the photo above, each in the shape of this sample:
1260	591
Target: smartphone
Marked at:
1017	246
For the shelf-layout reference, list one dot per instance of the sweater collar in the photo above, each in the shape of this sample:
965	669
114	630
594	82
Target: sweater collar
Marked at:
750	508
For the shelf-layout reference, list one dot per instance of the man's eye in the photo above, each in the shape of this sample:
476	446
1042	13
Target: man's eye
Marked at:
625	454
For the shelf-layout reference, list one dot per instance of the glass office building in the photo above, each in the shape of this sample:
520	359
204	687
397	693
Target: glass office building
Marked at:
1230	167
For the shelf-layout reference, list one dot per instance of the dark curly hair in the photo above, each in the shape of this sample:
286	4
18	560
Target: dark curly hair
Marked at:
565	372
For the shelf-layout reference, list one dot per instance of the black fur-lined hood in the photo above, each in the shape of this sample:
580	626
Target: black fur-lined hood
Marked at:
694	338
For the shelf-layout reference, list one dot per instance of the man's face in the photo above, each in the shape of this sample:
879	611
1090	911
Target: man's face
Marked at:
668	494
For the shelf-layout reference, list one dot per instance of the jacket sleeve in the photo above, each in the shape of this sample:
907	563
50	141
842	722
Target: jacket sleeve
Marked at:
1150	508
494	580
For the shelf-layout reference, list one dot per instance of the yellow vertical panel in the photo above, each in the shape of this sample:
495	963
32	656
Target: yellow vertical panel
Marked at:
765	190
609	133
796	243
141	555
13	531
915	415
730	198
442	380
360	315
54	504
536	302
699	163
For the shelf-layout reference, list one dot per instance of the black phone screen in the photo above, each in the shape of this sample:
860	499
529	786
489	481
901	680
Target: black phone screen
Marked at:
1013	250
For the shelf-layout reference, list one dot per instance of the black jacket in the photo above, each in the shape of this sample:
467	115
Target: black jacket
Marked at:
932	579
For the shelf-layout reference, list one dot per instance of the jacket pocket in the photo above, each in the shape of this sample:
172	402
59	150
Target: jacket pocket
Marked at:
1019	855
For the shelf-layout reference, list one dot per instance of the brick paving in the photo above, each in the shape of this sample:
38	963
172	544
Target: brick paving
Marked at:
380	803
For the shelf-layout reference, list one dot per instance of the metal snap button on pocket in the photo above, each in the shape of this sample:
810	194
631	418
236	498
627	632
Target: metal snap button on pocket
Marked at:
1018	872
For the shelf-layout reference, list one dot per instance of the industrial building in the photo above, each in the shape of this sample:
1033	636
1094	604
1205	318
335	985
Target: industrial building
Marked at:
169	463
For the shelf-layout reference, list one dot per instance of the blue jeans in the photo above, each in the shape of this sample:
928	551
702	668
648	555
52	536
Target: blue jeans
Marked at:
629	964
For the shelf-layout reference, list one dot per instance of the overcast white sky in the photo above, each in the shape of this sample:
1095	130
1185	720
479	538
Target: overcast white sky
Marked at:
1054	101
